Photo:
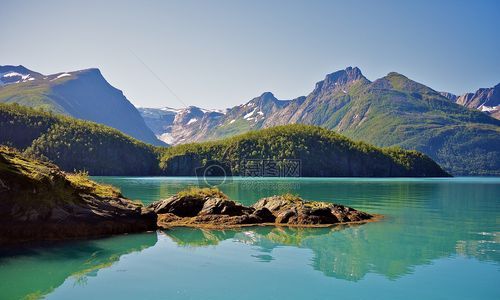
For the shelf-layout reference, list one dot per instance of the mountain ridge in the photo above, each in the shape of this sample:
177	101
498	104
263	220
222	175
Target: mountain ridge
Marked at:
484	99
390	111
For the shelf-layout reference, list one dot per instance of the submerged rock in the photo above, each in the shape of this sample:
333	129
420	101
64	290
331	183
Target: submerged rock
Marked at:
40	202
192	209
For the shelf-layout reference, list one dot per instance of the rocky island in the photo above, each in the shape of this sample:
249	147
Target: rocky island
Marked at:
210	208
38	201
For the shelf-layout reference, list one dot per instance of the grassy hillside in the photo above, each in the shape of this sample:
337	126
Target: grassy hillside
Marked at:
75	144
31	94
321	152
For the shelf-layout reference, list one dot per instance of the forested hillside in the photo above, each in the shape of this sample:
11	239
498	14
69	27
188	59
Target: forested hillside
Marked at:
321	152
81	145
74	144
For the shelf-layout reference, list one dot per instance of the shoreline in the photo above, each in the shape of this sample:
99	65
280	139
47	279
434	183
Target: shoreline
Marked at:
375	218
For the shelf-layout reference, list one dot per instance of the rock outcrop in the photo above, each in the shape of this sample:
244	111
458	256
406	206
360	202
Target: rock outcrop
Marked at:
486	100
217	211
293	210
40	202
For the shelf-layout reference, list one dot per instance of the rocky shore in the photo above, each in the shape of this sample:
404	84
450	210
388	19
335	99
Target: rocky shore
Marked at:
210	208
40	202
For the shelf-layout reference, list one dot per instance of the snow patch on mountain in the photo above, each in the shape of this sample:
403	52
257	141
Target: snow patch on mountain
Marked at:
166	137
488	108
222	111
248	116
61	76
8	77
169	109
14	74
193	120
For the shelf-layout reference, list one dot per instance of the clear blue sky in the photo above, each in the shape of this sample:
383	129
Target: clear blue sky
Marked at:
217	54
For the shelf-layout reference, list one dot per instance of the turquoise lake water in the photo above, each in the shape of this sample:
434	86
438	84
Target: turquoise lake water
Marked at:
440	239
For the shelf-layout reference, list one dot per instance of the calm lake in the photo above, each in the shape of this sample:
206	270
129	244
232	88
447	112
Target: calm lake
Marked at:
440	239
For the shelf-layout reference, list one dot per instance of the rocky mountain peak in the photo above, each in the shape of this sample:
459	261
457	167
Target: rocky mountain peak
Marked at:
343	77
340	79
262	100
189	115
492	95
484	99
268	96
265	98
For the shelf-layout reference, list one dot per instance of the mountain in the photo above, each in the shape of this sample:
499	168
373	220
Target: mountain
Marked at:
391	111
486	100
83	94
75	144
175	126
316	152
160	121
